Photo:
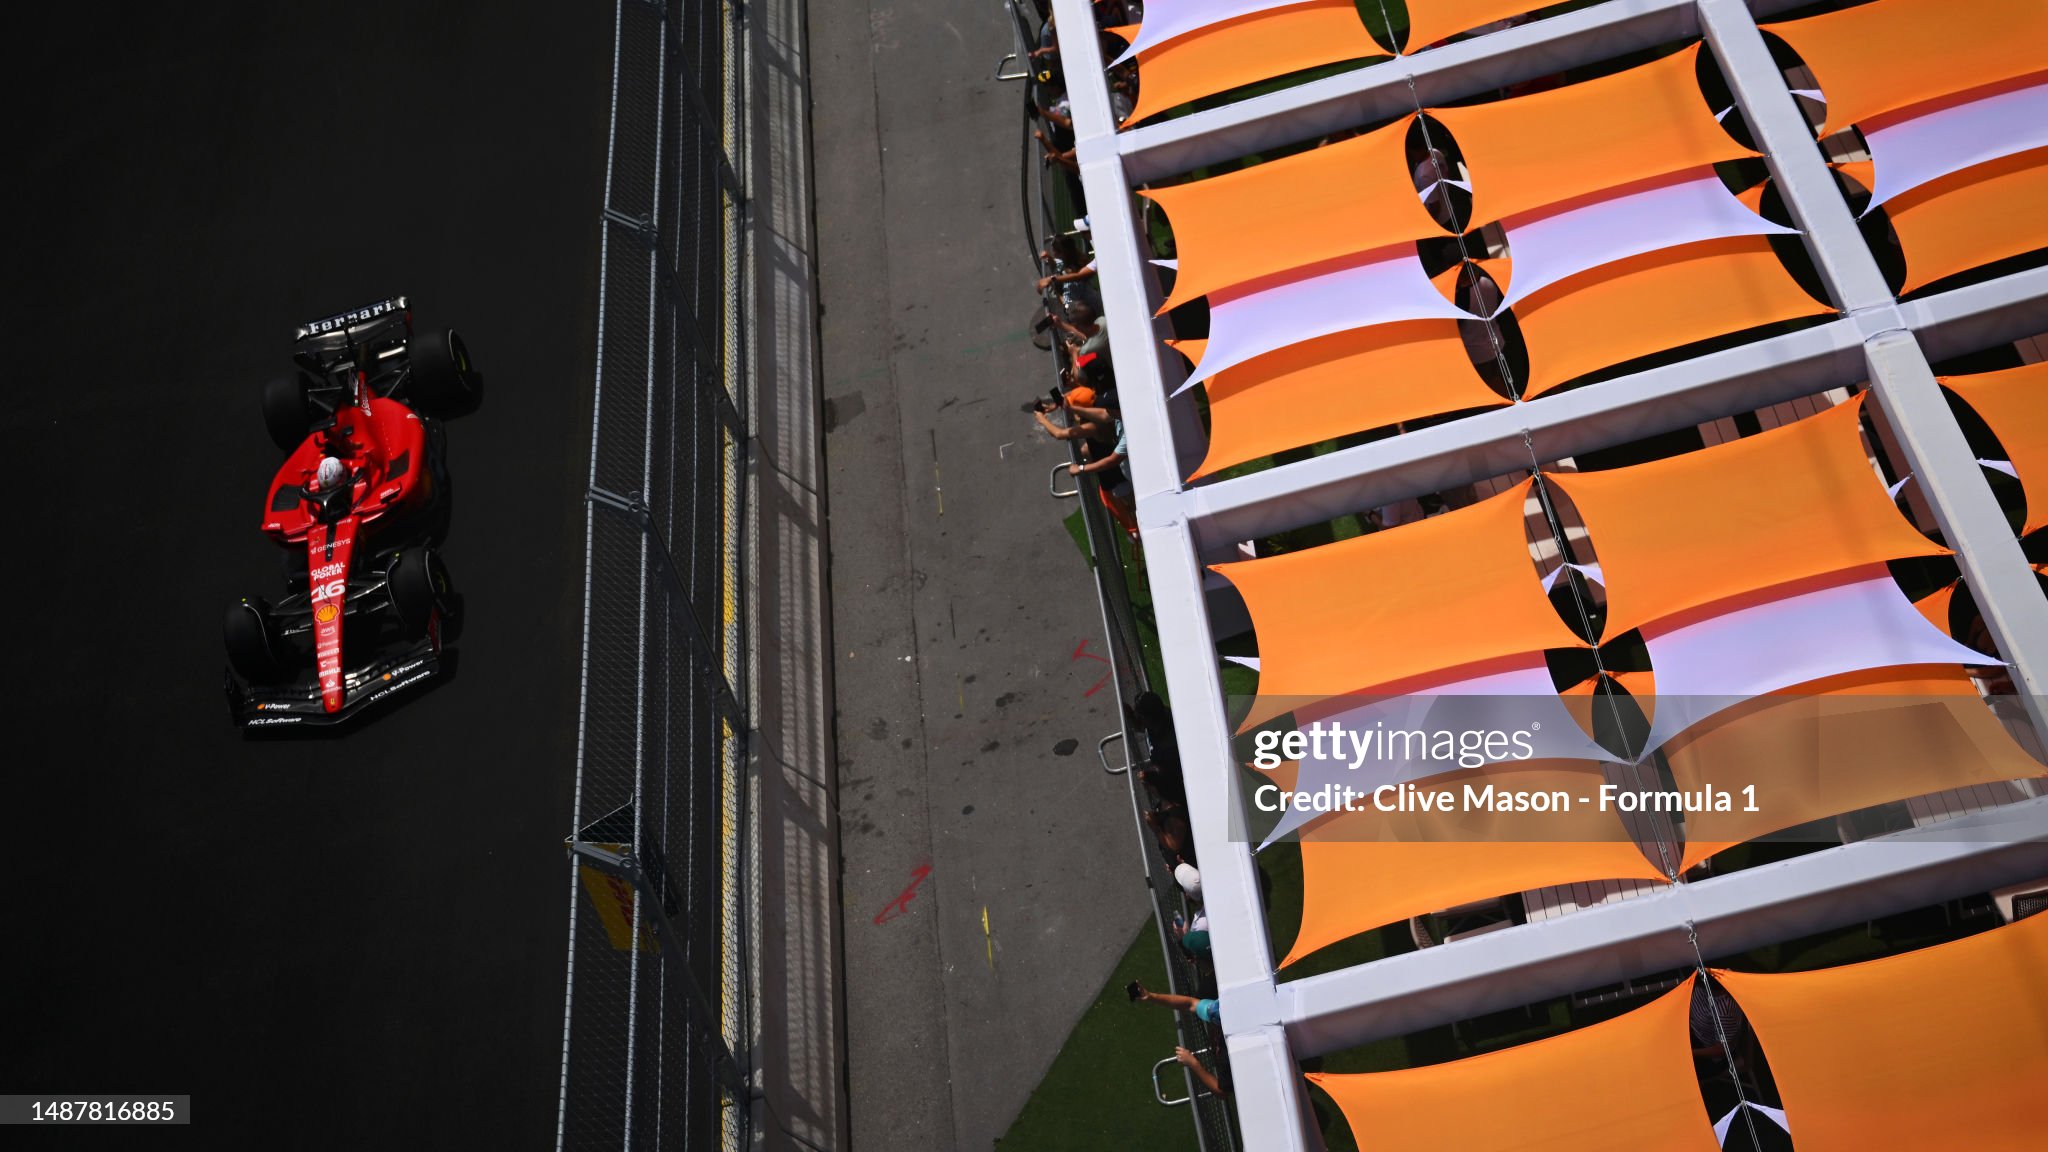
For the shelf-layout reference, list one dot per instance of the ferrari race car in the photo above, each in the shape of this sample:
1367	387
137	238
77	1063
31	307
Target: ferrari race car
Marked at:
360	504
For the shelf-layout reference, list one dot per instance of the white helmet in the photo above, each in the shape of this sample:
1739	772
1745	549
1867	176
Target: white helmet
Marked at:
333	473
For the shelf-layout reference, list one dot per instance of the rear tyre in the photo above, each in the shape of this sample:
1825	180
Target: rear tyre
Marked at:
285	411
418	585
254	648
444	382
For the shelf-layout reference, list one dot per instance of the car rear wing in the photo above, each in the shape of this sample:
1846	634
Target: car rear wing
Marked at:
395	306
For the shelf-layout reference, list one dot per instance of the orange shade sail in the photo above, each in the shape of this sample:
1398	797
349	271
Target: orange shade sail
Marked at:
1499	269
1432	20
1361	870
1890	54
1971	218
1532	151
1939	1048
1622	1085
1592	712
1796	501
1935	606
1836	746
1339	200
2015	404
1336	385
1656	301
1260	46
1395	605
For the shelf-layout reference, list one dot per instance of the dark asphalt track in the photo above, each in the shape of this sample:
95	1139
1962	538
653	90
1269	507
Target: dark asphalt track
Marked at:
346	943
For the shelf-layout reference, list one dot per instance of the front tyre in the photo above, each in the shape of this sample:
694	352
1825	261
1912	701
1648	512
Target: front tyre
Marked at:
418	585
286	412
255	650
444	381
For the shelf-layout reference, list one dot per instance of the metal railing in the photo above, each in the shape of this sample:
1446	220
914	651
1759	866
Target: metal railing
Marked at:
655	1013
1213	1123
1048	204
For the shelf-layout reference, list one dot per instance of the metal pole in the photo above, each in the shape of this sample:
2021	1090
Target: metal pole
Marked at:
1901	381
2006	590
626	866
635	510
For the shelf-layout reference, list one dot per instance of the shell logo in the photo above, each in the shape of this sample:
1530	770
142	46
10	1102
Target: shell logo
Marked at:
326	613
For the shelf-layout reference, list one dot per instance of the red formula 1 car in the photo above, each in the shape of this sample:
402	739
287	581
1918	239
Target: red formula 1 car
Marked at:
359	505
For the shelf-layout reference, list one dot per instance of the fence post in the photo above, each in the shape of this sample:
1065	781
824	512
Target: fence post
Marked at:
722	401
726	175
635	511
654	902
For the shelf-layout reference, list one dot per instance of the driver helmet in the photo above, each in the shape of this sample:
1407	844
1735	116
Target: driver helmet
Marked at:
332	474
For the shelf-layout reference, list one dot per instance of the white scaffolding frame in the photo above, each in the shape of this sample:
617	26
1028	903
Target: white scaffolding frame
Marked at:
1269	1024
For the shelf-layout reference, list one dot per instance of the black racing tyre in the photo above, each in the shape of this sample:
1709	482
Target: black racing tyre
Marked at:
444	381
254	648
285	411
418	585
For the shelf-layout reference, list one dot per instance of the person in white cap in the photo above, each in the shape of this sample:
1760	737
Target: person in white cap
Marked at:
331	488
332	474
1190	880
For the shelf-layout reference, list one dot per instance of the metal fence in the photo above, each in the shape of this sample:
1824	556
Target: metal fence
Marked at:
655	1008
1051	205
1213	1123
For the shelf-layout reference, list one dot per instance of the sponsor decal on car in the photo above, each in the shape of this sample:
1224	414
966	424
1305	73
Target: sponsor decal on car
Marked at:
327	570
326	612
333	323
260	720
414	678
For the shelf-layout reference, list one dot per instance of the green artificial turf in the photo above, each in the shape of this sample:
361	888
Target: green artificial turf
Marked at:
1098	1092
1078	529
1142	619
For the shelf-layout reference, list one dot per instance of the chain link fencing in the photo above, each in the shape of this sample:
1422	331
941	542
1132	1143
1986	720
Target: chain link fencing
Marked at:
1052	204
656	1005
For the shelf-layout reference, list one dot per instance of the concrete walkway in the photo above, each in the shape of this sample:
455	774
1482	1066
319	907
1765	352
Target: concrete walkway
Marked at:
988	873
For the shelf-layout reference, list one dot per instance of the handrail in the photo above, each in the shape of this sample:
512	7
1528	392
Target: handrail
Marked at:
1161	1096
1052	484
1102	753
1192	1090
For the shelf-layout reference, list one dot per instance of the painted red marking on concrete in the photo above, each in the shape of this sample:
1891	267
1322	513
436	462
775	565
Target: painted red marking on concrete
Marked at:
1082	653
901	903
